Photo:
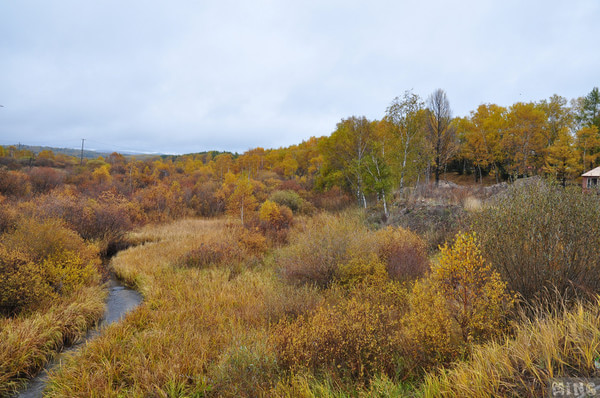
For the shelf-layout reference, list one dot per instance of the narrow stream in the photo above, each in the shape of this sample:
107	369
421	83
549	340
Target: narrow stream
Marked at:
120	301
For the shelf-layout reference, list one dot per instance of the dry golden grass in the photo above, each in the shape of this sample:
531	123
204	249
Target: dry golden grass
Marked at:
197	331
561	345
28	342
206	332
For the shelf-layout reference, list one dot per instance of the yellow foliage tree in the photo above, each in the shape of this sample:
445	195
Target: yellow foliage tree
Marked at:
476	297
588	144
242	200
102	174
562	160
524	141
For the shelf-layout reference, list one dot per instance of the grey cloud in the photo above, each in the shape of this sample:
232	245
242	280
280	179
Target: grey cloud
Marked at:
189	76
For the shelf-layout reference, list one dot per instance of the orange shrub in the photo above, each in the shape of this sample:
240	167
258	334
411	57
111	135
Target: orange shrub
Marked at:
275	221
14	183
104	219
253	243
44	179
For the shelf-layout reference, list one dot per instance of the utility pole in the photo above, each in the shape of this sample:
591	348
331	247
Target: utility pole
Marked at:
81	159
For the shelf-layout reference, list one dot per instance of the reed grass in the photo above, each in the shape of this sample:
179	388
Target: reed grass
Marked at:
198	331
29	341
563	344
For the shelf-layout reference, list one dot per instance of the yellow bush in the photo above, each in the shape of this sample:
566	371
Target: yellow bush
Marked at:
357	338
66	271
328	246
461	301
366	269
21	283
40	239
429	327
252	242
269	211
42	259
275	221
475	295
319	246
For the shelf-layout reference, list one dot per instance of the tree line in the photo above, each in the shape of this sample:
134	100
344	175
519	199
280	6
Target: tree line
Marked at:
415	142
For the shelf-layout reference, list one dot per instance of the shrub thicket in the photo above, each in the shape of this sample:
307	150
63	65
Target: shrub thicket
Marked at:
435	223
14	183
403	253
288	198
354	339
463	300
22	284
540	236
329	248
41	260
275	221
104	219
235	246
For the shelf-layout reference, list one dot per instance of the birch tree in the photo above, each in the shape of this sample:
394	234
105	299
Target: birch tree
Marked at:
404	116
441	132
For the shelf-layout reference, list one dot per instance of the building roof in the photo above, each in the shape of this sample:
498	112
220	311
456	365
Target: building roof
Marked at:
592	173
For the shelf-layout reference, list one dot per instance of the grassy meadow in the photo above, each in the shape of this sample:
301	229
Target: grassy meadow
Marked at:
339	310
330	304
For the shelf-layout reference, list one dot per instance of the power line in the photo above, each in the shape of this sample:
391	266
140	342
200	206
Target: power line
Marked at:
81	160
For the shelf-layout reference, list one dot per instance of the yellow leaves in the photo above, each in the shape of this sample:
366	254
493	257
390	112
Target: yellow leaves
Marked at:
275	220
22	284
41	259
66	271
476	296
102	174
369	269
462	300
242	198
357	337
269	212
429	325
561	159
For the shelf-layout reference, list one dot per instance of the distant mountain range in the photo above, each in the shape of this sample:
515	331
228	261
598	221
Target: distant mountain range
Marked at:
91	154
87	154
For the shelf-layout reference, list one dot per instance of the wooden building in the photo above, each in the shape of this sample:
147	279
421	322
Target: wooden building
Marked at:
591	178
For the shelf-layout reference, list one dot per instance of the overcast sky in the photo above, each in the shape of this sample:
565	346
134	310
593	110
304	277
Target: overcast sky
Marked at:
186	76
